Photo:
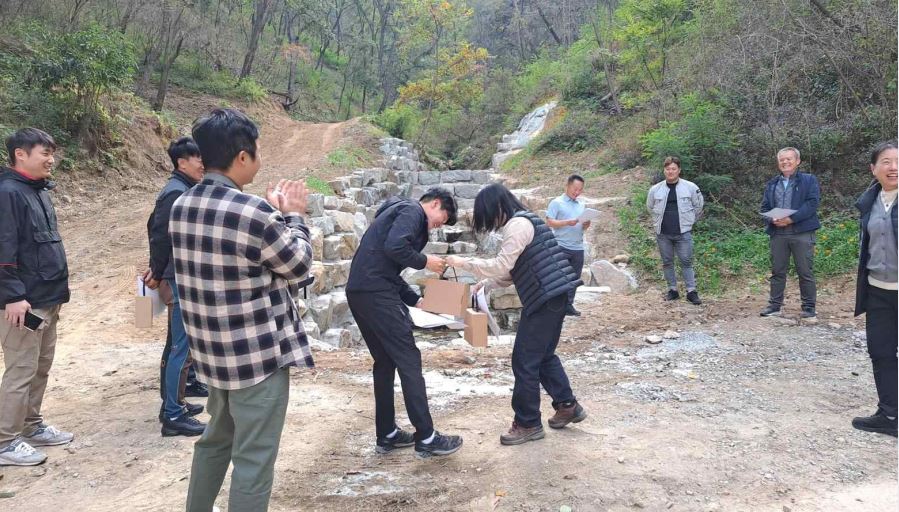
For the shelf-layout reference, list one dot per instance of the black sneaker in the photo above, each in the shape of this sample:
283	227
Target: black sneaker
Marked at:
808	314
770	310
672	295
878	423
570	311
192	409
441	445
183	425
196	389
402	439
693	297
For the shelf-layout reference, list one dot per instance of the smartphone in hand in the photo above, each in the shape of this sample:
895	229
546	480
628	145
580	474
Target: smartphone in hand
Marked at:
32	321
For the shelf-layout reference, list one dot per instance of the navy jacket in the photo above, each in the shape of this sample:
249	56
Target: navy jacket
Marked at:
161	264
806	196
33	263
393	242
864	204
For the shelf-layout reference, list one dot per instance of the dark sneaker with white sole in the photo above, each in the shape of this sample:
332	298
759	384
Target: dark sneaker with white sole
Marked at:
440	445
518	434
20	453
672	295
877	422
402	439
196	389
47	435
183	425
189	408
770	311
808	314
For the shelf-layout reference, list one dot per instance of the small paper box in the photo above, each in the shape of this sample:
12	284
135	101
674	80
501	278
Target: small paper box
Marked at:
143	312
449	297
475	328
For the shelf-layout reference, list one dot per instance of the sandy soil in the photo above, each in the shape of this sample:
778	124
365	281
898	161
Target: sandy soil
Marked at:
739	413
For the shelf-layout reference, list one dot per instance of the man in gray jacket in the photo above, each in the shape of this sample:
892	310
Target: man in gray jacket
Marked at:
675	204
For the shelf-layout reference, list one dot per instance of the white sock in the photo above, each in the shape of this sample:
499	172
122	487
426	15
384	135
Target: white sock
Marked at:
430	439
393	434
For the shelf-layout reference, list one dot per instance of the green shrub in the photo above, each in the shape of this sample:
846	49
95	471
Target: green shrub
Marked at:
192	73
400	120
579	130
316	184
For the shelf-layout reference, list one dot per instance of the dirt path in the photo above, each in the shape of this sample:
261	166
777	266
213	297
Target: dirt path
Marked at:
738	414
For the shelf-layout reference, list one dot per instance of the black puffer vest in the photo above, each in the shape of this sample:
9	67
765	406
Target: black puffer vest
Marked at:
542	272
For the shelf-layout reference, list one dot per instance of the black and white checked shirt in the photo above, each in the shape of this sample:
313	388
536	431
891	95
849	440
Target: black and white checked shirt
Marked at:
237	262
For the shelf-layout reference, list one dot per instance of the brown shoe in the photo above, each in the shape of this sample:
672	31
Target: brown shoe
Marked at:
518	434
565	415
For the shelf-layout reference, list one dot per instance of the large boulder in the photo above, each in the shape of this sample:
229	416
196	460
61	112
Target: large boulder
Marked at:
343	221
340	246
339	185
312	330
338	272
321	309
436	248
321	285
418	277
462	248
316	239
315	205
454	176
505	298
326	224
360	224
480	177
608	274
467	190
372	176
429	178
340	310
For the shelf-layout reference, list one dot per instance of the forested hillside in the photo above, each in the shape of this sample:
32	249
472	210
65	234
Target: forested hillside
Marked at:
721	83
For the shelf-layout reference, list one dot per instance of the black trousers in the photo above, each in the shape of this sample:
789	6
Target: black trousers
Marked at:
386	327
534	362
882	331
576	259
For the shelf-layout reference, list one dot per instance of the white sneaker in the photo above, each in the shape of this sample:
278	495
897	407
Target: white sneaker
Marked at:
47	435
20	453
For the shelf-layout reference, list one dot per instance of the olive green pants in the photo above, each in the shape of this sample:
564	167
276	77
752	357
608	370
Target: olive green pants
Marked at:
244	429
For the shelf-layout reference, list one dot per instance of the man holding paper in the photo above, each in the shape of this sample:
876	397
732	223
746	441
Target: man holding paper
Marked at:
790	208
378	297
567	216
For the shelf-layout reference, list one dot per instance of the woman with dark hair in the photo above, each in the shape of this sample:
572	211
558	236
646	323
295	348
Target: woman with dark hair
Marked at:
876	288
532	260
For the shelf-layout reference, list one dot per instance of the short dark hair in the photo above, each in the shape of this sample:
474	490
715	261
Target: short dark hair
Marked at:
575	177
493	207
222	135
671	160
27	139
447	203
880	148
185	147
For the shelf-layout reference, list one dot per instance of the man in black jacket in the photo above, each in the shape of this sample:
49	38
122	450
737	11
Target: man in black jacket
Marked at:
176	415
378	297
34	280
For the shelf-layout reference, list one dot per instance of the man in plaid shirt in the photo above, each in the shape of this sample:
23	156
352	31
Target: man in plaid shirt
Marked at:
237	261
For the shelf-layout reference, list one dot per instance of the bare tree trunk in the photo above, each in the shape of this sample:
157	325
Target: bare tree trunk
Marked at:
548	24
261	13
164	78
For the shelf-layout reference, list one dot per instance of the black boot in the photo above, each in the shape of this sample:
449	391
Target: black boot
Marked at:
878	422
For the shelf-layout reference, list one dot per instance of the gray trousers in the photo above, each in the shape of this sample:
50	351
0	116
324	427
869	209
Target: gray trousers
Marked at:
801	246
682	246
244	428
576	259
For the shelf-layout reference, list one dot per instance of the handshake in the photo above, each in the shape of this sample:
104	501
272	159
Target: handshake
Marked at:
438	264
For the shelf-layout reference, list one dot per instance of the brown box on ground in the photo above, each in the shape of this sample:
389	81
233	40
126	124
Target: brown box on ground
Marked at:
143	312
476	328
449	297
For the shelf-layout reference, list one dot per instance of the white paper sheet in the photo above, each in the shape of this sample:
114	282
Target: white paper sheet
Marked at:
482	306
426	320
589	214
778	213
143	291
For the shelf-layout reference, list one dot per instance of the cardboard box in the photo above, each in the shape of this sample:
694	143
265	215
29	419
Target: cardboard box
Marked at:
475	328
449	297
143	312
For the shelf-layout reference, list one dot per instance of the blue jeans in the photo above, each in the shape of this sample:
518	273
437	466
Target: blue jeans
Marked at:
682	246
177	357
